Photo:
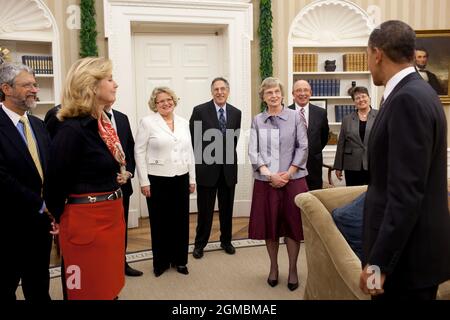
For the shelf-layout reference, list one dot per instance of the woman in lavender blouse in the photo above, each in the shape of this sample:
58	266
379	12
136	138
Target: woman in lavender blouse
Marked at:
278	150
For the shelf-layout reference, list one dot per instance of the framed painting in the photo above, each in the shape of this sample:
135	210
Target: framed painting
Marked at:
433	60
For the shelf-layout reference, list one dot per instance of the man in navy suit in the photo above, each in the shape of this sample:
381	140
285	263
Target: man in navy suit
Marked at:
406	226
122	125
318	129
217	175
24	143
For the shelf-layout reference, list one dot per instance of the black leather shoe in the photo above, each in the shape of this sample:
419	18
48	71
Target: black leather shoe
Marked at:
198	253
159	271
129	271
228	248
182	270
292	286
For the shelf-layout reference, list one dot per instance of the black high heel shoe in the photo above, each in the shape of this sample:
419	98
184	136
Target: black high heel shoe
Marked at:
292	286
274	282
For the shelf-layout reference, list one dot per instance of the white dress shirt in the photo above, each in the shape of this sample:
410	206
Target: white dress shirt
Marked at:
159	151
394	81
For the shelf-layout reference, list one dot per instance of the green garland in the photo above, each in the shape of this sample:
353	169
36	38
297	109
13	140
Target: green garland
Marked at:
88	32
266	42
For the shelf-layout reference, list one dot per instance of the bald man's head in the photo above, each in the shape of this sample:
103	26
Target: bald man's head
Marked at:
301	92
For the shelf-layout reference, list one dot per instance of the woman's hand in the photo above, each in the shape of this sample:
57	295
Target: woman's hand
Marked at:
192	188
339	174
122	178
277	181
145	190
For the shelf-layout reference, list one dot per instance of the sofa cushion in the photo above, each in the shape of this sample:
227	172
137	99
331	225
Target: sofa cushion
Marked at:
349	220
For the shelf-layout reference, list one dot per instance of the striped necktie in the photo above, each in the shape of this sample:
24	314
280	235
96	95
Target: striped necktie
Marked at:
303	117
32	148
222	122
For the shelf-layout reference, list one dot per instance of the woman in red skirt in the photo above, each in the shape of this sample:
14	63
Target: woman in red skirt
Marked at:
85	171
278	150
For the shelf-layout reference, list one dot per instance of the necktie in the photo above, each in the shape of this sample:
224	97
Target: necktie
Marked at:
381	102
222	122
32	148
303	117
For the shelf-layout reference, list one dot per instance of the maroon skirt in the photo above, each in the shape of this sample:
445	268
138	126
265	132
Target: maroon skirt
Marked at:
274	213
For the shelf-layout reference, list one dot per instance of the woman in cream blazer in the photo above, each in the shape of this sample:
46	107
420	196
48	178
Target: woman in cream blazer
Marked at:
166	170
351	153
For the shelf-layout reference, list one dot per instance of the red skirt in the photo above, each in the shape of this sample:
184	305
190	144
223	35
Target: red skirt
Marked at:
92	240
274	213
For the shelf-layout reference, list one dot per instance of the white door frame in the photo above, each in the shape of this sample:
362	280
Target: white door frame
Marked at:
237	18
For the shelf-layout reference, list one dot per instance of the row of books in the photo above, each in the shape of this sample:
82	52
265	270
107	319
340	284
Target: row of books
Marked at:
305	62
325	87
341	110
40	64
351	61
355	61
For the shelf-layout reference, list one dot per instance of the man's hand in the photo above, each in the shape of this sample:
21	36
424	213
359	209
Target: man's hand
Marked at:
364	281
55	228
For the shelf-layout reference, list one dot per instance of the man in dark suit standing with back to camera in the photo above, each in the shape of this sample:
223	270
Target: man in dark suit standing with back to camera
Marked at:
24	146
217	175
317	122
122	126
406	228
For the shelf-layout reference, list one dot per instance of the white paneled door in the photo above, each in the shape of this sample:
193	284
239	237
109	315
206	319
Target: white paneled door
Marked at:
186	63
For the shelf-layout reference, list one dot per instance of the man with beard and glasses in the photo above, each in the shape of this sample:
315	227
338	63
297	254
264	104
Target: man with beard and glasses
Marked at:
24	145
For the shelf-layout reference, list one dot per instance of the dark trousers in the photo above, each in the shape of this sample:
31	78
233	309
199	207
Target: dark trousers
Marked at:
399	294
313	183
29	263
206	198
168	208
356	178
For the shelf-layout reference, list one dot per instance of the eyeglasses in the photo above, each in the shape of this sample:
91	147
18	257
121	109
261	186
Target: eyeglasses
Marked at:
29	86
361	97
164	101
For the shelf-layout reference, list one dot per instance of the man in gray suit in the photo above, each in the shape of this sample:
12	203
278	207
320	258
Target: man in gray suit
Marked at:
317	123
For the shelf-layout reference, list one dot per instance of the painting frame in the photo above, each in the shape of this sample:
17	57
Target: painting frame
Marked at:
437	43
322	103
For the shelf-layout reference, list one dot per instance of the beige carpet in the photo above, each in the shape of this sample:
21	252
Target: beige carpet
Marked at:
217	276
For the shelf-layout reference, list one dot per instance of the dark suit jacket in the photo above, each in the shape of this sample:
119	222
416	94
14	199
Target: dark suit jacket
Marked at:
20	182
406	219
434	82
208	174
317	140
351	152
127	142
